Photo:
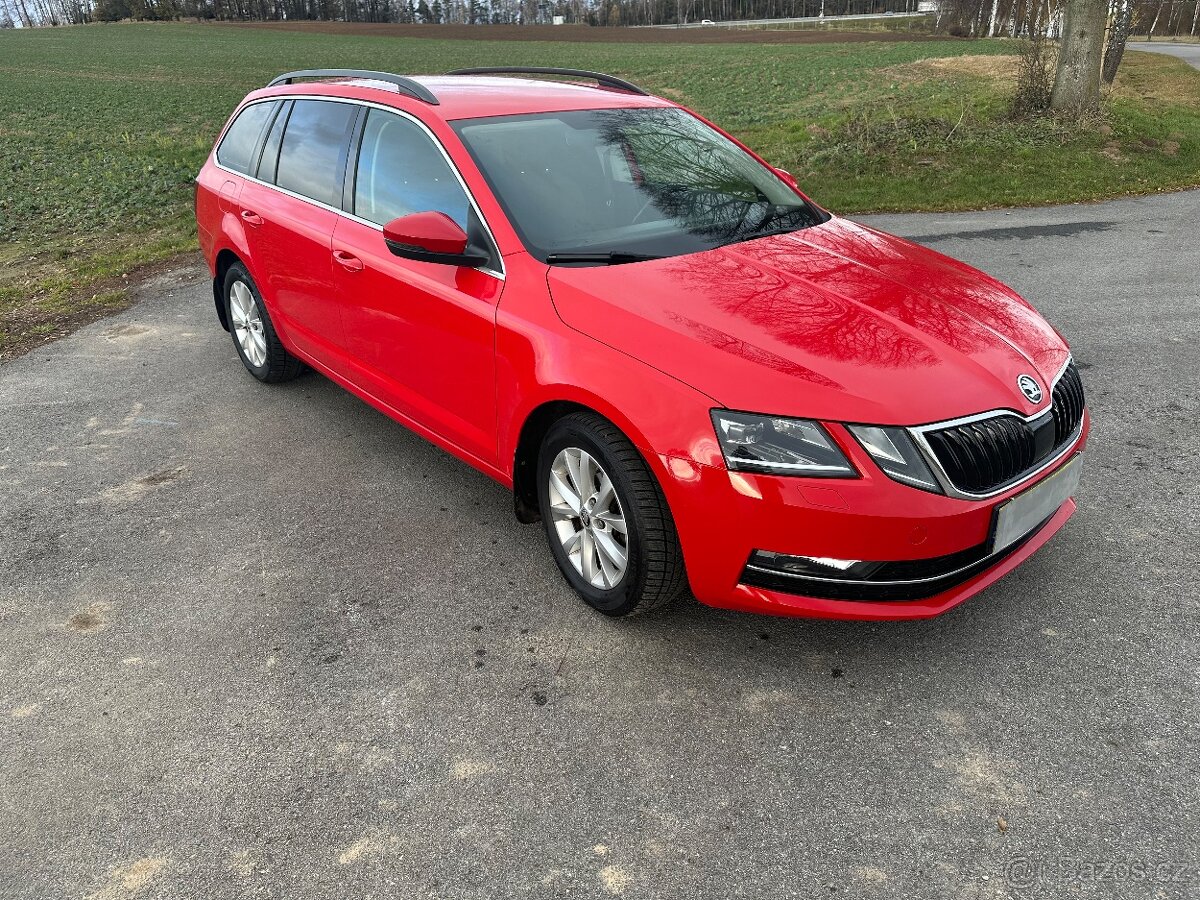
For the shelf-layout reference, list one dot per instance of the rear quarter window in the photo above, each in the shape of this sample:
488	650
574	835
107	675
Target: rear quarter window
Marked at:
236	150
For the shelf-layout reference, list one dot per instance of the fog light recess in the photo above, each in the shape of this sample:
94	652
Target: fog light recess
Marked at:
823	567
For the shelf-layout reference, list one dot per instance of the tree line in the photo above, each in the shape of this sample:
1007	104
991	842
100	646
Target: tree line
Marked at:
1029	18
974	18
433	12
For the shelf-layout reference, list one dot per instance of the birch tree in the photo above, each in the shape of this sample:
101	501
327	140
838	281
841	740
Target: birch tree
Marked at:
1117	37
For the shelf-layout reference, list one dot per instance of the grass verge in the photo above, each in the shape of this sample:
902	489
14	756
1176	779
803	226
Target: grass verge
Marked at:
937	135
102	129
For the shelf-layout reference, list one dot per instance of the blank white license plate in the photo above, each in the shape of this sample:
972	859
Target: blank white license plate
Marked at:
1024	512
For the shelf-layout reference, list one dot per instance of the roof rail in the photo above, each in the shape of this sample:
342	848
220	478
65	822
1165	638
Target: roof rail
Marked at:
405	85
609	81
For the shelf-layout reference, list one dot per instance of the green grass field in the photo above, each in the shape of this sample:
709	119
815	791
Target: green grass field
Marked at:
102	129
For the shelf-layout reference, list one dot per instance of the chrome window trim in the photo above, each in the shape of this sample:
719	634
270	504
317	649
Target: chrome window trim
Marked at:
500	274
918	432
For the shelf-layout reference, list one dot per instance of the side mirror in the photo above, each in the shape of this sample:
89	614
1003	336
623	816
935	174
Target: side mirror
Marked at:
788	178
432	237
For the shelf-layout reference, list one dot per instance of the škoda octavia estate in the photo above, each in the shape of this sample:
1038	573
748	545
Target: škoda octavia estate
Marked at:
695	377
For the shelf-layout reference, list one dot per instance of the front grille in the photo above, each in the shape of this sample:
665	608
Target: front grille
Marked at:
1068	405
981	457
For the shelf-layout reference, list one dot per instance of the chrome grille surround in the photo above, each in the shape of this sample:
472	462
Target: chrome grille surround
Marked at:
978	437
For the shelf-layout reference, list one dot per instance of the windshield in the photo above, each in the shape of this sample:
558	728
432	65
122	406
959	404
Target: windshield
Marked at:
619	185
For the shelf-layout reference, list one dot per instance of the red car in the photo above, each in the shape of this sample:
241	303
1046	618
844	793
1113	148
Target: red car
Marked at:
693	375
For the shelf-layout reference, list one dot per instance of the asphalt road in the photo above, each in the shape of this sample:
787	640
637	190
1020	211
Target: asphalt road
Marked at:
1190	53
263	642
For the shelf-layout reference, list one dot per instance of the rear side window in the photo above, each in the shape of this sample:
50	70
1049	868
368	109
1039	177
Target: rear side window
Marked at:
401	171
311	154
241	139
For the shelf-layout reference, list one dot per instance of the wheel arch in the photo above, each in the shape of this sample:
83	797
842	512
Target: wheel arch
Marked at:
225	259
529	441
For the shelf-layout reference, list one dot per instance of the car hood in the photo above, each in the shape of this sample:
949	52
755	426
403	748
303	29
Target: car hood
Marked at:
837	322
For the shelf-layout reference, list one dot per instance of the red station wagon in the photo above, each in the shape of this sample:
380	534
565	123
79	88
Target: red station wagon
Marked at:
695	377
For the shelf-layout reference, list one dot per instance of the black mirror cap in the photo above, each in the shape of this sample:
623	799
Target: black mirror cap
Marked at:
472	258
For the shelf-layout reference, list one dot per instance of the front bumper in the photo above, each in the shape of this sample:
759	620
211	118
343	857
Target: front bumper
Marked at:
723	517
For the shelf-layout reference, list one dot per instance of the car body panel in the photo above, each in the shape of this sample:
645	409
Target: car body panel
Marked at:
346	374
540	360
292	249
424	335
746	598
789	326
217	224
870	518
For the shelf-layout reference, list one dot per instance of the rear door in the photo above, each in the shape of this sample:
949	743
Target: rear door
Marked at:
422	334
218	187
290	211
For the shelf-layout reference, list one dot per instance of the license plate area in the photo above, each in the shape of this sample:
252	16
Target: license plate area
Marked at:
1018	516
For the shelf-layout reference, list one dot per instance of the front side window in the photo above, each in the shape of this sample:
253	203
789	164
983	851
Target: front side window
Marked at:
401	171
237	148
641	182
310	154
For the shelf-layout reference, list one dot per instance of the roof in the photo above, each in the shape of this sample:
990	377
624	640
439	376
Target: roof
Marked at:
476	96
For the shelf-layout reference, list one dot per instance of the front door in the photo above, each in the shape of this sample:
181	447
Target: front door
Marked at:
422	335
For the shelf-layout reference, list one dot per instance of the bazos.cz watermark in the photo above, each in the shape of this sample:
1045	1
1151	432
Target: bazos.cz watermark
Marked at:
1027	870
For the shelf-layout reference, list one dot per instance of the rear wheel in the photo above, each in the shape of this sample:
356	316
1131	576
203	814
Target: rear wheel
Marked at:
259	347
607	522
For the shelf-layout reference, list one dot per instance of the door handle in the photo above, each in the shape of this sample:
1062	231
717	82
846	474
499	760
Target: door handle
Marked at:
251	219
348	261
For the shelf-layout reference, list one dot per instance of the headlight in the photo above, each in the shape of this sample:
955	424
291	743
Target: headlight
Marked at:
894	452
782	446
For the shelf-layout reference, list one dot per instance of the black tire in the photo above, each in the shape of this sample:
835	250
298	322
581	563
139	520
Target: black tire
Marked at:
654	574
279	365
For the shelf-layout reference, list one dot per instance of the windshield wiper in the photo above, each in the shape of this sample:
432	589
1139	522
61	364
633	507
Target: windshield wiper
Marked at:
770	224
766	232
608	258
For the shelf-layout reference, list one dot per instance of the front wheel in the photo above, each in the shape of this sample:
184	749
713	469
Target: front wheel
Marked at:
606	519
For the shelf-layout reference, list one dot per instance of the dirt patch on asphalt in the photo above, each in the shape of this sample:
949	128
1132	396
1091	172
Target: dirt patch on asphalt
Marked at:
90	619
30	325
586	34
162	477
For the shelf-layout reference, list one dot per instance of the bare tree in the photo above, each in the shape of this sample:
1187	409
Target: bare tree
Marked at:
1077	80
1154	22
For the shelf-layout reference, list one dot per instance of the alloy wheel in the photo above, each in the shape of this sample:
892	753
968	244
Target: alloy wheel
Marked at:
588	518
247	323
